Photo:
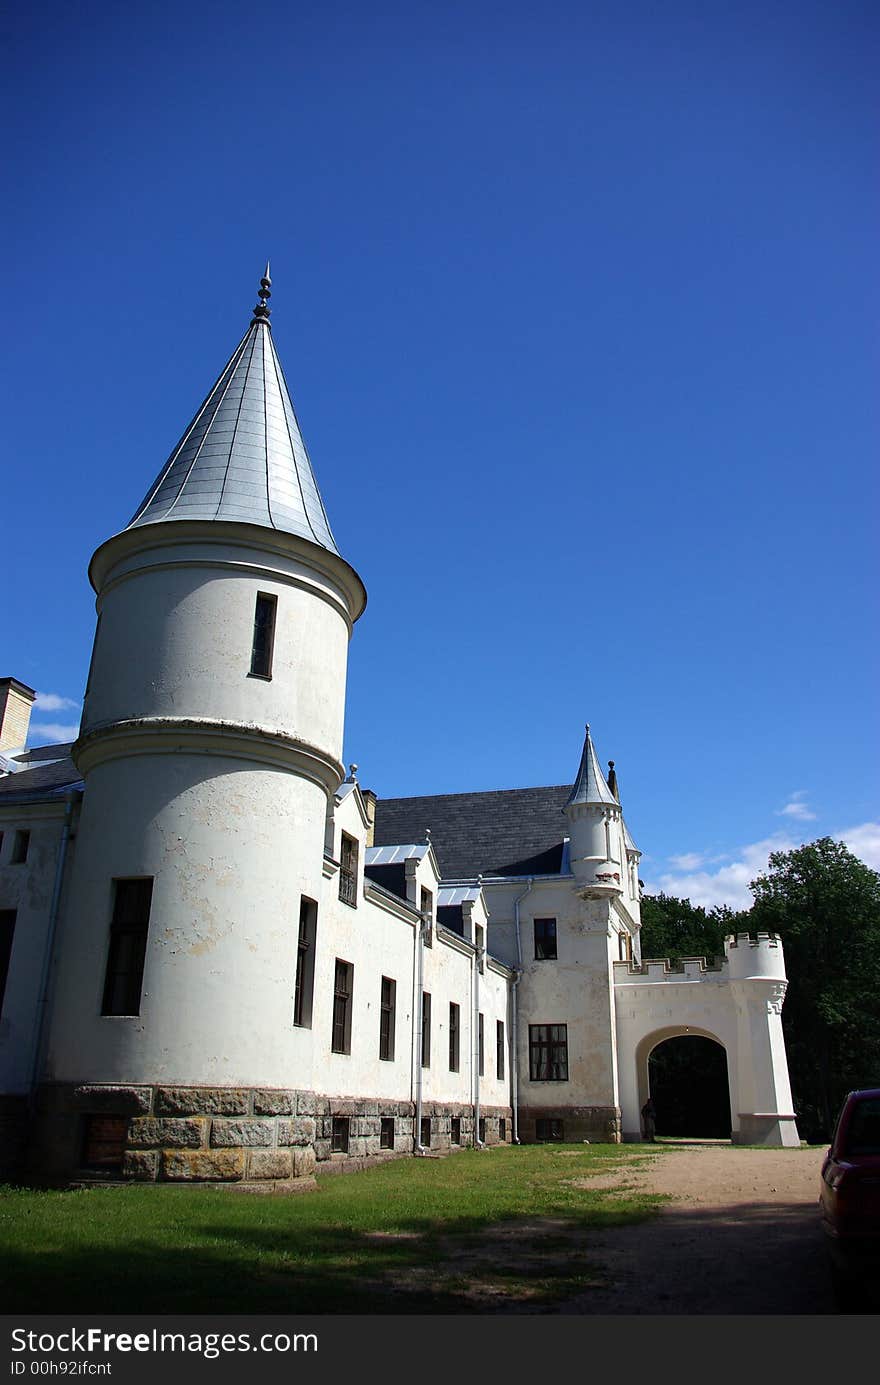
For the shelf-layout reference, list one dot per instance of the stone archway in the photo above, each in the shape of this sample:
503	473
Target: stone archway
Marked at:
686	1071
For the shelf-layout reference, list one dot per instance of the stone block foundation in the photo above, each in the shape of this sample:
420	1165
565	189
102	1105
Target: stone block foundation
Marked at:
596	1124
232	1135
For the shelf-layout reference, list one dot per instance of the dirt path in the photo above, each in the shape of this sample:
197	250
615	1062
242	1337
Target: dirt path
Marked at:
741	1235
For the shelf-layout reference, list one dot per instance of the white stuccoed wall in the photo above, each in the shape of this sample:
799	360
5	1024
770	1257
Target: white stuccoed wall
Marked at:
27	888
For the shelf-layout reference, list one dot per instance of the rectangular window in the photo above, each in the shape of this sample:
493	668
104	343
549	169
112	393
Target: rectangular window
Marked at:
455	1133
426	1029
548	1052
341	1041
104	1141
425	1135
128	947
387	1004
482	1130
481	1052
348	870
454	1036
264	635
499	1048
305	963
502	1129
339	1138
545	939
549	1130
386	1133
7	930
20	843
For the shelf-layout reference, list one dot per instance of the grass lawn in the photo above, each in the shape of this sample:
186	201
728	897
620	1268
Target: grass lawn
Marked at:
500	1230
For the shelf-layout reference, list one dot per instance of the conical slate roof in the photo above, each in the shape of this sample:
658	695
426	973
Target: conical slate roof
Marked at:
590	785
243	457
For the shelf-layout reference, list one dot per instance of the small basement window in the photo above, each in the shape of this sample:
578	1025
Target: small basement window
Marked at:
104	1142
502	1129
339	1139
425	1138
386	1133
549	1129
455	1135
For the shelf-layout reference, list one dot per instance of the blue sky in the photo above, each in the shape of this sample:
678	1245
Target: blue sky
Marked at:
577	303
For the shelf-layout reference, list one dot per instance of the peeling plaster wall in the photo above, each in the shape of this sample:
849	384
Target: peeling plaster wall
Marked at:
574	989
175	641
27	888
229	847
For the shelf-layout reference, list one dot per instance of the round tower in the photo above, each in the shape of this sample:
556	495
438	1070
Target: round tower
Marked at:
210	745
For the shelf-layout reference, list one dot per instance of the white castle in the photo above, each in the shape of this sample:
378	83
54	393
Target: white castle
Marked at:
222	959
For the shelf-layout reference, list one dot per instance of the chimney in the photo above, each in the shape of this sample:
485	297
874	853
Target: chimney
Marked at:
16	701
370	805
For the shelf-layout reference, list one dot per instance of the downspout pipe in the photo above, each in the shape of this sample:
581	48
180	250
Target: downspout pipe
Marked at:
475	1045
71	798
514	1038
418	1147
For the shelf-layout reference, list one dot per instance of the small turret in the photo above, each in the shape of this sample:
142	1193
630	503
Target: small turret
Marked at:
594	814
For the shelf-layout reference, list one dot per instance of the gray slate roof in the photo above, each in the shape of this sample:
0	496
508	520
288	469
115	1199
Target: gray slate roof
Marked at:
243	457
40	781
500	832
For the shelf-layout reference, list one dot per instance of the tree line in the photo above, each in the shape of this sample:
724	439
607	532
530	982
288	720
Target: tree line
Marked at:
825	905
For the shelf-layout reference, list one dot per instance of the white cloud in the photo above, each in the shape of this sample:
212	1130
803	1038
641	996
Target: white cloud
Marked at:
53	733
730	883
797	808
54	702
727	885
863	841
689	861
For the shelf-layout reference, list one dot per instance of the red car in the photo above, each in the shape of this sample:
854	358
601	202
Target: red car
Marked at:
849	1197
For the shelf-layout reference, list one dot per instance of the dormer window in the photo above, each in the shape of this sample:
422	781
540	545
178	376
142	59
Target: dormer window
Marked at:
426	905
348	870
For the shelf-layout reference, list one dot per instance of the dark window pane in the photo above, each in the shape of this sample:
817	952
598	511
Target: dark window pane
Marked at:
545	939
264	635
7	930
128	947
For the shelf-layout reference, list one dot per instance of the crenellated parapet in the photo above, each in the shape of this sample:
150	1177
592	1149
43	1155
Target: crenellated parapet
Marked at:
747	957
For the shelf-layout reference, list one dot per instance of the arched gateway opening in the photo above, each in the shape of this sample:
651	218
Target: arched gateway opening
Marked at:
685	1071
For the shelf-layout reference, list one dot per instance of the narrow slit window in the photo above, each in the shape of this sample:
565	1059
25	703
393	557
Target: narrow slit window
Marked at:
341	1040
305	964
128	947
264	635
387	1005
426	1029
7	931
454	1036
20	846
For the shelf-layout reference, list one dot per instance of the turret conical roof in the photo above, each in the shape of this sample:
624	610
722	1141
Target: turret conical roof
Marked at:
243	457
590	785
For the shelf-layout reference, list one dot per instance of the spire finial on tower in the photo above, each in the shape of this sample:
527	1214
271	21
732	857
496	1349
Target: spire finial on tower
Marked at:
261	311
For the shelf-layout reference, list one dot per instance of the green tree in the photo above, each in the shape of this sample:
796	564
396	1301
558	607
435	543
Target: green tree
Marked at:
825	905
675	928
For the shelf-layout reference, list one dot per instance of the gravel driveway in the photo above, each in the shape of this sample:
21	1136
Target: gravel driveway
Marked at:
741	1235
